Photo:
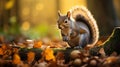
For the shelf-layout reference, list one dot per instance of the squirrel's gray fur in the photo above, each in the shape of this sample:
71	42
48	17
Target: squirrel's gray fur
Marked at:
78	27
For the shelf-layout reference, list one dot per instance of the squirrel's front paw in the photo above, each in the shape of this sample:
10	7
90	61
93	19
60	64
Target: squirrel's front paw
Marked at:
78	47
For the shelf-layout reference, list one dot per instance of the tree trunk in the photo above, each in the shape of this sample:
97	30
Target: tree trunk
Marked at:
105	15
112	44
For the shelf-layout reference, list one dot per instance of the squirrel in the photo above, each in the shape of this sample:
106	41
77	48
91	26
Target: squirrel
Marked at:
78	27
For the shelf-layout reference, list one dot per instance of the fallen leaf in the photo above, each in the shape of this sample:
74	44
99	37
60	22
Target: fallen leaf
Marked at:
16	59
30	56
37	44
49	54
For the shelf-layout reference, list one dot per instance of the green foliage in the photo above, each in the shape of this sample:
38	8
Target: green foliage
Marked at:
42	30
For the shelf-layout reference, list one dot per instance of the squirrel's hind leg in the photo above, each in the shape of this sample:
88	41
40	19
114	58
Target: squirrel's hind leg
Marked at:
84	39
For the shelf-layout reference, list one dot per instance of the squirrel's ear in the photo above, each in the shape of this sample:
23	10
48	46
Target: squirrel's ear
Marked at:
68	14
59	13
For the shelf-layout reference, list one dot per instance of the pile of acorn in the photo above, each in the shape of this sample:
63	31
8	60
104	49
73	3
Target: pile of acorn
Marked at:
82	58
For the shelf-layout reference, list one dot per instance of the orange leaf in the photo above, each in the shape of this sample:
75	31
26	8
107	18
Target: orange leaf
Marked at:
16	59
30	56
37	44
1	51
49	54
4	46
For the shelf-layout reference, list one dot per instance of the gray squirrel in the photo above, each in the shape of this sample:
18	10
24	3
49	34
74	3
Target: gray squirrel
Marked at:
78	27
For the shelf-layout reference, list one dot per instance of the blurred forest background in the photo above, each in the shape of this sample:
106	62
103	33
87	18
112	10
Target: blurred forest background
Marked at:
37	18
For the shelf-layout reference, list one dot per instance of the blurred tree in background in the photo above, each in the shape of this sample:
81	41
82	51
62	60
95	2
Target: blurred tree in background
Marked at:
9	17
37	18
105	14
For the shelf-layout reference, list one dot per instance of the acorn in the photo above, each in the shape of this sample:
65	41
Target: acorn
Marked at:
75	54
93	62
86	59
96	57
77	62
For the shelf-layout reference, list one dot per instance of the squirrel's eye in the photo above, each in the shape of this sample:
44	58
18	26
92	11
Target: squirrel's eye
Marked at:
62	34
65	21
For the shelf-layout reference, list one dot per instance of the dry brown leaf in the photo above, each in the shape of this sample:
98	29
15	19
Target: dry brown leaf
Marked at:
60	56
52	64
99	43
15	50
114	54
102	52
111	59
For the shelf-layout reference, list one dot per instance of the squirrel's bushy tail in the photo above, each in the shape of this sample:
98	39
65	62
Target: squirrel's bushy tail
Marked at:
80	13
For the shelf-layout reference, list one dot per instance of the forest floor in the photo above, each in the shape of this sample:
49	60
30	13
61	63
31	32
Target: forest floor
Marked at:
21	52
